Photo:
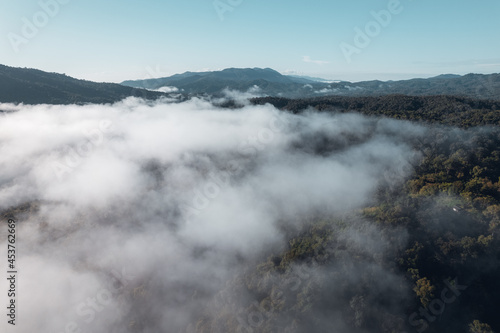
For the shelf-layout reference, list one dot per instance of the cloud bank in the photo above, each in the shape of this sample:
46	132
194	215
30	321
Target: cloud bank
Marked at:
142	212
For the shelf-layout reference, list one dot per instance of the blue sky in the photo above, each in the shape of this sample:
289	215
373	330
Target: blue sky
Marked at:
114	40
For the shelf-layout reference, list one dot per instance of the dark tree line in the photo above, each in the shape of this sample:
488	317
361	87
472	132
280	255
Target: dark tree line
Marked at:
447	110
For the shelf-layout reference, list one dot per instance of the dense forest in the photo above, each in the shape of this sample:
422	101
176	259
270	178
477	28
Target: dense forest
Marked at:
450	208
447	110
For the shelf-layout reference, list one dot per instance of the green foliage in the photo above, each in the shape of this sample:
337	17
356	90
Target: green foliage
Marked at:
311	244
477	327
424	291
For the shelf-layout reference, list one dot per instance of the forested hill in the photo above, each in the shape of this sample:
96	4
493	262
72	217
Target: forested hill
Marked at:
269	82
32	86
448	110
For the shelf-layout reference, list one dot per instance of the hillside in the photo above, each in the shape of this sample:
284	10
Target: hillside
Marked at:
32	86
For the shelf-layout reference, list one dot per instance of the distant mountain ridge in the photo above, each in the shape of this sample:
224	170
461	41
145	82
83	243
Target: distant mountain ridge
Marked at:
272	83
268	80
32	86
229	74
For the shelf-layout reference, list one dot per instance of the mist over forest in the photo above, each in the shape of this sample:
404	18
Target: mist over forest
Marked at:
192	216
237	166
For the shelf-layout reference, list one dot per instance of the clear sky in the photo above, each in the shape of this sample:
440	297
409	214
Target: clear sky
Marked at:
111	40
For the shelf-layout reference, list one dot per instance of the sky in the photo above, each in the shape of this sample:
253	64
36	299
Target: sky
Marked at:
350	40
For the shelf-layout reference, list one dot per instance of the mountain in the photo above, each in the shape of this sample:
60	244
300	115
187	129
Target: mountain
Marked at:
446	76
32	86
470	85
268	80
272	83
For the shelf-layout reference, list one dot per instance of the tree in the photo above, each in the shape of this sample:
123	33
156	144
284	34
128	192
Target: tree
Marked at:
477	327
424	290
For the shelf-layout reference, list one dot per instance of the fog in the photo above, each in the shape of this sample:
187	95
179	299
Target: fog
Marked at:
142	212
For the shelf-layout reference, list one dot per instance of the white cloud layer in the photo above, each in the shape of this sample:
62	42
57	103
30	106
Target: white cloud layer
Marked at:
147	209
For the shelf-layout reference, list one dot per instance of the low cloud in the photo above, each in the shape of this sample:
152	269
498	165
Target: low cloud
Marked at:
159	205
168	89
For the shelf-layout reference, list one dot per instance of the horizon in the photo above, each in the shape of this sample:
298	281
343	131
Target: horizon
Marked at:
305	75
369	40
285	74
317	76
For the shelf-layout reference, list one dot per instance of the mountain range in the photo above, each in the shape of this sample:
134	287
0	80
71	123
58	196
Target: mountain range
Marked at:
269	82
32	86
